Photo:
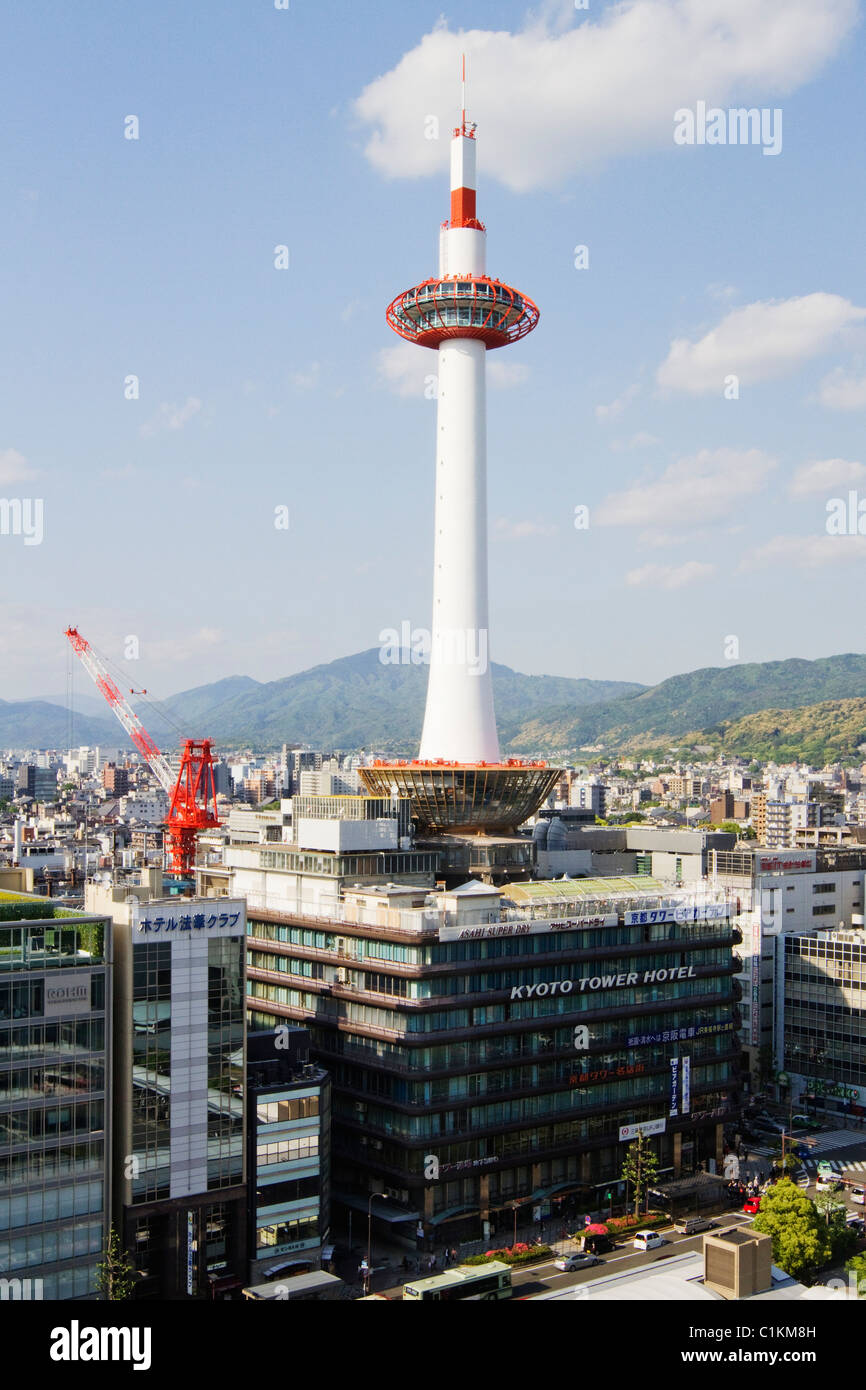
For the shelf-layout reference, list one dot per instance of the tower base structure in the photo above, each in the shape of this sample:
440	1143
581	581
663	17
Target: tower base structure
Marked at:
464	798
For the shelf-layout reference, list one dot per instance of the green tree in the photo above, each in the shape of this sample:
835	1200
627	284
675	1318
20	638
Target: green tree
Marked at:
857	1265
115	1275
787	1164
801	1240
640	1167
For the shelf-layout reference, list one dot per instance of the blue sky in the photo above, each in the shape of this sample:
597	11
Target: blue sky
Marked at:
262	388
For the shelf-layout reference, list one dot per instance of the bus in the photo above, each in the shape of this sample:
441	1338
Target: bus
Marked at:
490	1280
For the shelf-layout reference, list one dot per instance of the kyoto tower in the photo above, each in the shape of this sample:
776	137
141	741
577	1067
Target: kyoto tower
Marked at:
458	781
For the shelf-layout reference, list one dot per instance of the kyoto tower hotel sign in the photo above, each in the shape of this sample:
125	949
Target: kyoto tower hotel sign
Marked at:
459	781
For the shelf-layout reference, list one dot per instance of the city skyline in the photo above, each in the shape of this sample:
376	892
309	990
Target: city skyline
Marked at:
258	387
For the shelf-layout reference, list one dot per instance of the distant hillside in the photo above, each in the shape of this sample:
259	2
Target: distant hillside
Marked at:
357	702
36	724
701	700
831	731
193	710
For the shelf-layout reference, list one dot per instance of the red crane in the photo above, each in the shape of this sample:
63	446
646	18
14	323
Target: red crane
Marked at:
192	795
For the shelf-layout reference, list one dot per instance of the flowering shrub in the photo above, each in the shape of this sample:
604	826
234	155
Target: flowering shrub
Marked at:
512	1255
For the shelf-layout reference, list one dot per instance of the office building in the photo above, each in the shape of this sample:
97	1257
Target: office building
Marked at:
821	1023
489	1046
55	1088
179	1182
288	1153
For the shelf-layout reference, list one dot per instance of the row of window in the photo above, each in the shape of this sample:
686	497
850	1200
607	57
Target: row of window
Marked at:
26	998
486	1151
497	948
21	1126
42	1247
286	1233
563	1072
274	1112
447	1020
50	1204
620	1093
46	1164
61	1079
287	1150
38	1039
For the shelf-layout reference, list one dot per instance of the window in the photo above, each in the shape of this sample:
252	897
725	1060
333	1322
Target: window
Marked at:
287	1150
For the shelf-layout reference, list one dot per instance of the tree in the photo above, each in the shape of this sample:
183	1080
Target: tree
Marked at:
640	1167
801	1240
115	1275
783	1158
857	1265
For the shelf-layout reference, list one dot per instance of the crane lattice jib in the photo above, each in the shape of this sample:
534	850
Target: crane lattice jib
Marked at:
124	711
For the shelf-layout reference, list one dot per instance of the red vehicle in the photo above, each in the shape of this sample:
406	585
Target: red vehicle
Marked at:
752	1205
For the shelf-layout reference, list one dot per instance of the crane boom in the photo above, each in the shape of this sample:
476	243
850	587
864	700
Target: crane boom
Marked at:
124	711
192	794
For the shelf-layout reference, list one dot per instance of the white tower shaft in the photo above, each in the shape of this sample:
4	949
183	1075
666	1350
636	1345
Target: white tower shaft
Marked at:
459	722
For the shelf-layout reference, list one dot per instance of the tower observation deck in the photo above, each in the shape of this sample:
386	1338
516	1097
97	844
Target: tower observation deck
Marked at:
459	781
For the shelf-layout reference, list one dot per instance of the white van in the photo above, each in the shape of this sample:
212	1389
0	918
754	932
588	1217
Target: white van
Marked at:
647	1240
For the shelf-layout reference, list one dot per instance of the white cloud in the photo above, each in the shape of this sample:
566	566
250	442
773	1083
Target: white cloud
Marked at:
307	380
550	102
409	370
519	530
14	467
641	440
669	576
172	417
843	391
603	413
806	552
503	375
824	475
758	342
702	487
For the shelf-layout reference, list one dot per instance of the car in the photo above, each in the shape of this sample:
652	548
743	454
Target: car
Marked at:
855	1222
581	1260
857	1195
647	1240
752	1206
691	1225
805	1122
827	1182
598	1244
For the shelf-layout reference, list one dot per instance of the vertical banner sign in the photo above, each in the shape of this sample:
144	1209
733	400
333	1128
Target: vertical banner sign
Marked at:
756	979
190	1238
675	1085
687	1085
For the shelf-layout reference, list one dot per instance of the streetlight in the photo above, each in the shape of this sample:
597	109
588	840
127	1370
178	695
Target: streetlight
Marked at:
515	1205
369	1234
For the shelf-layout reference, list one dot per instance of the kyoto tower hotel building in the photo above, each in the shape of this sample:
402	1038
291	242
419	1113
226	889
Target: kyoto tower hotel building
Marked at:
459	784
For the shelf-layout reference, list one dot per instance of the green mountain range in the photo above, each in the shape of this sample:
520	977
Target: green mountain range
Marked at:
775	709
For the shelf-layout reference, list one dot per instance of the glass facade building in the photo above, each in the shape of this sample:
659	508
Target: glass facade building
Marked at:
823	1043
180	1095
55	1053
477	1065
